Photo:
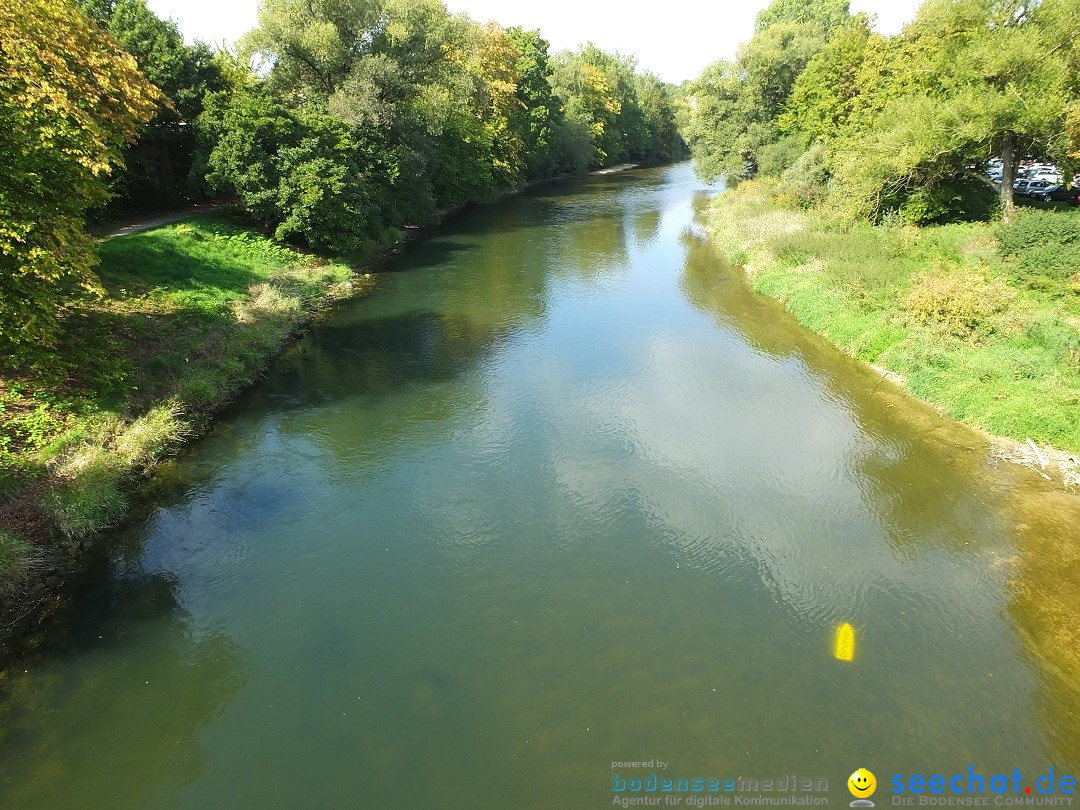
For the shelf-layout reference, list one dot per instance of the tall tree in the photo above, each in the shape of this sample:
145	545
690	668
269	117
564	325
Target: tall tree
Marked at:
70	100
659	139
439	111
824	96
538	114
825	15
313	44
157	168
587	82
737	105
626	114
967	78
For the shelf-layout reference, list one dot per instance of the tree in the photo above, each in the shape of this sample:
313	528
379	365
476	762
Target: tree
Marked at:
1072	129
659	140
738	105
297	173
587	84
967	78
313	44
825	15
157	168
538	114
824	96
70	100
600	96
492	62
437	111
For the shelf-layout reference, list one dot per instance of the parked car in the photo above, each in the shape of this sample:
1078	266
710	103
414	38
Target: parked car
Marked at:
1020	186
1056	194
1036	187
1075	198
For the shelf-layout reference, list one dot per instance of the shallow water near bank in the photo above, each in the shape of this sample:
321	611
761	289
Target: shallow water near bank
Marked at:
562	491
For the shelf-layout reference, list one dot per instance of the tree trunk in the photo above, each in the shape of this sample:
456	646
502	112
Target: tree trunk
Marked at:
1008	174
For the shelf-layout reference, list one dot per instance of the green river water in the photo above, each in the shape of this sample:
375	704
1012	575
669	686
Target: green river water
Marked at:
561	492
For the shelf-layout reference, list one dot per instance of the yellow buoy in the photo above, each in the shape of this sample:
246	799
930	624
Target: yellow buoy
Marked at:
845	642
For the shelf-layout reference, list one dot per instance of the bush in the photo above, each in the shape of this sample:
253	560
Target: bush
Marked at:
962	199
296	172
776	158
960	304
1044	247
806	182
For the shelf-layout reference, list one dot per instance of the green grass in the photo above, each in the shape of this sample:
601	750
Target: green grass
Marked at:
993	340
190	314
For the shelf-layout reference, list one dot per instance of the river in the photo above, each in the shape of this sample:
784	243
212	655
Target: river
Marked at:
561	492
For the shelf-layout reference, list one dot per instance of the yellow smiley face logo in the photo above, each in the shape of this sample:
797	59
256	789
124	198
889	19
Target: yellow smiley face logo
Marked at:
862	784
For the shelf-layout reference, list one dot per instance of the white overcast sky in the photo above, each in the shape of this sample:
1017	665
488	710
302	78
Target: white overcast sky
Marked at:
675	39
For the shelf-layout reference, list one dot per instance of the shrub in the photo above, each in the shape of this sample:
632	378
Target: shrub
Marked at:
296	172
806	182
959	304
1032	228
960	199
1044	246
776	158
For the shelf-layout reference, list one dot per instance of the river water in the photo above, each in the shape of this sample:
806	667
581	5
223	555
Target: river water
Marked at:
561	492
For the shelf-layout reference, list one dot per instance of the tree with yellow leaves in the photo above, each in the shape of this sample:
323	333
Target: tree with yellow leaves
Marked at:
70	99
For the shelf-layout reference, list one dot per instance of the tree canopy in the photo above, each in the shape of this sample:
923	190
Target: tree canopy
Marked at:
898	122
156	170
436	110
70	102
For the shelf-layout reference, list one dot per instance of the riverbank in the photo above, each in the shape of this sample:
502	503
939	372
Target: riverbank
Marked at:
191	314
980	321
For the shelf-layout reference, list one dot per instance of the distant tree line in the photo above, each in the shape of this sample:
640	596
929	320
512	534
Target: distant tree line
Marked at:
335	122
878	126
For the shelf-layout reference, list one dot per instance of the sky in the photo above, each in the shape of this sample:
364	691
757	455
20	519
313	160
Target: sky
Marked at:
676	39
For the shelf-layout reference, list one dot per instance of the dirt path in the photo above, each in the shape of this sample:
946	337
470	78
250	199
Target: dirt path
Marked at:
136	224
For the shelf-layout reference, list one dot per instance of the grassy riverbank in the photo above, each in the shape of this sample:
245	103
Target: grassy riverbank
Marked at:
191	313
980	320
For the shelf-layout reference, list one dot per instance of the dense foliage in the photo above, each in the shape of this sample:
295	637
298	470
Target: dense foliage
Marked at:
70	100
156	169
373	115
336	123
901	122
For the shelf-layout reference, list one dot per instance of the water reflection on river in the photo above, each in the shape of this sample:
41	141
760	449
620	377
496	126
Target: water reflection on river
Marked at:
562	491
